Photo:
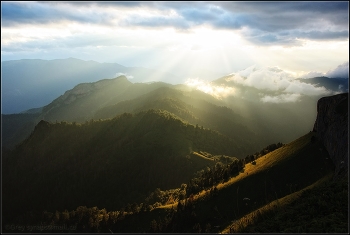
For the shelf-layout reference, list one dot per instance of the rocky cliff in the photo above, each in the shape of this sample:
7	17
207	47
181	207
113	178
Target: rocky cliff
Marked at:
331	127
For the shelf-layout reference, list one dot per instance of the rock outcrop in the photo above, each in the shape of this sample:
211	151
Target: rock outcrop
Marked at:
331	127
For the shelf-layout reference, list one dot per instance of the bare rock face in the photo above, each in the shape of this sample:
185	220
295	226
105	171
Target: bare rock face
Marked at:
331	128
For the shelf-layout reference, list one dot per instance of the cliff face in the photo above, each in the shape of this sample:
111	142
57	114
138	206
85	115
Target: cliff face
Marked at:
331	128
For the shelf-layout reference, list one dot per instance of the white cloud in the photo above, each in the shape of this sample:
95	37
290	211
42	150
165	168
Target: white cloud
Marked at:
270	78
126	75
342	71
306	89
312	74
285	85
283	98
218	92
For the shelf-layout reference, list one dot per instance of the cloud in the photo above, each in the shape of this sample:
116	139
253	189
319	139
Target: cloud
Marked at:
342	71
292	93
218	92
323	35
124	74
273	84
277	16
155	21
237	34
14	13
283	98
312	74
273	80
263	23
306	89
270	78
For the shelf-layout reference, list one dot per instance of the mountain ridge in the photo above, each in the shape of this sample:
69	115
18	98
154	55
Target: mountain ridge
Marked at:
147	142
34	83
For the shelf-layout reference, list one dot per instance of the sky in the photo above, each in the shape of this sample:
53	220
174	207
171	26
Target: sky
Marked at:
302	38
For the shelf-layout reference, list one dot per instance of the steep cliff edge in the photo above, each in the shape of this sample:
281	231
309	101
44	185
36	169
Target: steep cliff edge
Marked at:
331	127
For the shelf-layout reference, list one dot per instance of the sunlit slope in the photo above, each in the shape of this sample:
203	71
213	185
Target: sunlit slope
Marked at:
106	163
319	208
192	108
281	172
78	104
81	102
275	175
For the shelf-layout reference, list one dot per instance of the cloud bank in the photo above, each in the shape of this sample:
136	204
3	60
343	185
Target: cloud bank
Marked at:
222	36
272	84
263	23
218	92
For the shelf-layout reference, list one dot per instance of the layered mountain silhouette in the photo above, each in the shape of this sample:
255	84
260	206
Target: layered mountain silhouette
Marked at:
34	83
28	84
109	97
174	158
108	163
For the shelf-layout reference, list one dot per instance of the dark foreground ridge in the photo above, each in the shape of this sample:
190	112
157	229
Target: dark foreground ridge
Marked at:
331	126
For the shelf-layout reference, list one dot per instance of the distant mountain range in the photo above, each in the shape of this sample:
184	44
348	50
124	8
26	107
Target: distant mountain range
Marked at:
34	83
111	97
30	84
105	98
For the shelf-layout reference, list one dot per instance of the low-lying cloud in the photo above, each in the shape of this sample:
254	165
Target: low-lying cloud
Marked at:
272	79
283	98
124	74
218	92
273	85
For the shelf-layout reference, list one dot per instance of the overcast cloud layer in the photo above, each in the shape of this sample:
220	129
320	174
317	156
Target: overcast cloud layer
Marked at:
303	37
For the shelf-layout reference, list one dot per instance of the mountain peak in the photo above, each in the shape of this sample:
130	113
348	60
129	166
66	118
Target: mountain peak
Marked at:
122	77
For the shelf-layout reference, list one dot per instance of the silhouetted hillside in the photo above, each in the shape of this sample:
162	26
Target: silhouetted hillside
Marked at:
106	163
133	160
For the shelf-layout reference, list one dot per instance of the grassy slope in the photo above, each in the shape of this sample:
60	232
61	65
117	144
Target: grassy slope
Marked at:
274	206
318	208
279	173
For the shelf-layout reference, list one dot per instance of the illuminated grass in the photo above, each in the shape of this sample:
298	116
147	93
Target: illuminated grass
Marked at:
195	154
272	207
263	163
276	180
